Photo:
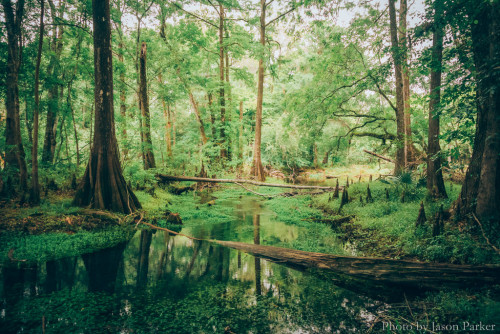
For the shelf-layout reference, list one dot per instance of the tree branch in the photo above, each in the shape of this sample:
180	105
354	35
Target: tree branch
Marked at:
196	16
280	16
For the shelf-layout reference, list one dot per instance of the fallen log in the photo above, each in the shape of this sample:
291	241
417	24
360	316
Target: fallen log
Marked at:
387	271
379	156
170	178
379	271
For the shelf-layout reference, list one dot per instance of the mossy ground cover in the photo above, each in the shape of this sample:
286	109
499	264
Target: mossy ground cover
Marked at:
56	229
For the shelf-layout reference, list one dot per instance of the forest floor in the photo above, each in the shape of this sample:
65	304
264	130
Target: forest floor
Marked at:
385	227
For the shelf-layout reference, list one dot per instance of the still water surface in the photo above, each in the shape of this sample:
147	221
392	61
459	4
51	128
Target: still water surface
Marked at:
160	283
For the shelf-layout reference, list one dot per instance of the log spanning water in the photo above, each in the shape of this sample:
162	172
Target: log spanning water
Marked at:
169	178
377	271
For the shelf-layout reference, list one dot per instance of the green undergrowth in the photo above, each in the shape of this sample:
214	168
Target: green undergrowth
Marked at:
393	223
219	204
51	246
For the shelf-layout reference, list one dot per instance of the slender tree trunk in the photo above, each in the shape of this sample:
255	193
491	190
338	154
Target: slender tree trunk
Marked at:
186	86
123	106
229	100
435	183
50	141
198	116
143	92
222	101
404	45
35	185
400	121
14	155
257	169
169	130
168	121
76	135
240	139
103	185
173	127
212	115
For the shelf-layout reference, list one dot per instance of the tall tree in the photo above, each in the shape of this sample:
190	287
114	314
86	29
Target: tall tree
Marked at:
103	185
14	155
35	185
480	192
55	89
147	149
435	182
400	120
405	72
222	101
257	169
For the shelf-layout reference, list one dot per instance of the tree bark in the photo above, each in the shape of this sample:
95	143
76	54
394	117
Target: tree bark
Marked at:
229	106
435	182
14	155
50	141
404	45
222	101
488	197
103	185
149	158
168	121
123	106
257	169
479	192
400	121
35	185
240	137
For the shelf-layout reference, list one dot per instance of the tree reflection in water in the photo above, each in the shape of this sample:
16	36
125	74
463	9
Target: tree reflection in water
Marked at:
170	284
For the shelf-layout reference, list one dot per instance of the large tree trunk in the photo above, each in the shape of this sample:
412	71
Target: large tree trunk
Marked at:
400	121
149	158
257	169
103	185
35	185
222	101
479	192
488	197
435	182
14	155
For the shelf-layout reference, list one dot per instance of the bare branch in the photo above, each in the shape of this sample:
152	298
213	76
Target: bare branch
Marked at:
280	16
196	16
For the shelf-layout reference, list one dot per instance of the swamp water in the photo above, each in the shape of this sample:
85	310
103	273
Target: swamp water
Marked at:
160	283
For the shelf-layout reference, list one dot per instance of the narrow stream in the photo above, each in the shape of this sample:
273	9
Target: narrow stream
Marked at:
160	283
